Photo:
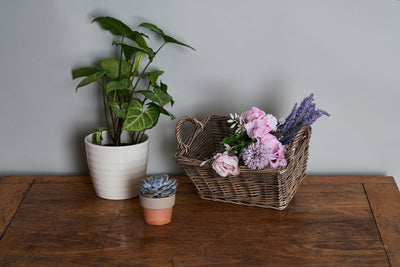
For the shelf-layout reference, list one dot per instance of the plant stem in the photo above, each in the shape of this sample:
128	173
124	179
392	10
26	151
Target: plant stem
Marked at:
117	121
105	105
120	62
147	65
116	136
141	137
136	138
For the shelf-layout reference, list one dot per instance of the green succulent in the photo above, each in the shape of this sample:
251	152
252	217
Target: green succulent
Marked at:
158	186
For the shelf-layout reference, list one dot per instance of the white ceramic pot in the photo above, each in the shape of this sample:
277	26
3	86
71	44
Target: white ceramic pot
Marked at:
116	171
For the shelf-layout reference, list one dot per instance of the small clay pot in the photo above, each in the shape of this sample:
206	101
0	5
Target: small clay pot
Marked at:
157	211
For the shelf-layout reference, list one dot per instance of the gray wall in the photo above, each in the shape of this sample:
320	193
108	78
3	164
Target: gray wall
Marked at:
262	52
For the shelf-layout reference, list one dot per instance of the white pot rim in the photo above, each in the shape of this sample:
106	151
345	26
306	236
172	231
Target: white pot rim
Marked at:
89	142
157	203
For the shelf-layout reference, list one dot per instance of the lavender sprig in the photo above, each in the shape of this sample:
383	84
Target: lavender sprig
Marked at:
305	114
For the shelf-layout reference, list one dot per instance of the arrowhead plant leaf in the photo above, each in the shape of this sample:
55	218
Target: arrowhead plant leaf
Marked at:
169	39
163	87
153	76
120	111
128	51
158	96
152	27
83	72
97	136
136	62
111	67
137	37
165	112
122	87
113	25
90	79
138	120
147	50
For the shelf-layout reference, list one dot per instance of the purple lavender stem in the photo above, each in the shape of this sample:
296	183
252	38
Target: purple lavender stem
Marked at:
305	114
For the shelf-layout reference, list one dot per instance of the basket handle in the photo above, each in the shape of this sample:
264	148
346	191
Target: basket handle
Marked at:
182	147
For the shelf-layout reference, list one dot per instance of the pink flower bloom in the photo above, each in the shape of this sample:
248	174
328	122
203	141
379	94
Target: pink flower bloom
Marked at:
276	151
270	153
257	123
271	121
267	139
254	113
226	165
256	156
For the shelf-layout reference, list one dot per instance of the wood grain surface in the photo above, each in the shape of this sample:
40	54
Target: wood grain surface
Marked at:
332	221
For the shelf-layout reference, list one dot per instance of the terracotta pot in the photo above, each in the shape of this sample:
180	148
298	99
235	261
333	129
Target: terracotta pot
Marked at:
116	171
157	211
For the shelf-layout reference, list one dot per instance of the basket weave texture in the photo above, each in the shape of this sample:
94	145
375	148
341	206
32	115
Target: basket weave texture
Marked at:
267	188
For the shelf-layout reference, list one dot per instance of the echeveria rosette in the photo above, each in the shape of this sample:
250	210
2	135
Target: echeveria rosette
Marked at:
158	186
305	114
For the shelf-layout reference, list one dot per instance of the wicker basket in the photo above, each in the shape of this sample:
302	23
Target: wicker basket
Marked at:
267	188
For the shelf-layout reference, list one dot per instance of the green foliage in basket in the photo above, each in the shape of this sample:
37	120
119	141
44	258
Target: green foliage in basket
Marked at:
127	106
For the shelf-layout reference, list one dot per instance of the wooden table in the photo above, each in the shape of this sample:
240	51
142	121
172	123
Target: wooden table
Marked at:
332	221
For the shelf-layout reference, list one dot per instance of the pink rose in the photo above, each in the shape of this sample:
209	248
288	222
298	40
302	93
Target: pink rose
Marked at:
267	139
226	165
271	121
254	113
276	152
257	123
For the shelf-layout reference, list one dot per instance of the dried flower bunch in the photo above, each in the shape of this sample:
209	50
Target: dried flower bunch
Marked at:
260	141
305	114
158	186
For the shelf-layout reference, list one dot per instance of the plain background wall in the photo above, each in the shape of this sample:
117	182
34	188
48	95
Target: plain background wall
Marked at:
263	53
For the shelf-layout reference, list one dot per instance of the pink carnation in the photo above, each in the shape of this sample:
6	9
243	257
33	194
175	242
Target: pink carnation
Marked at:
226	165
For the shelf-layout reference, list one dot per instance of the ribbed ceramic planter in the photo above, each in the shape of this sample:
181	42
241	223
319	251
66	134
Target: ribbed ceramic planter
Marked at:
116	171
157	211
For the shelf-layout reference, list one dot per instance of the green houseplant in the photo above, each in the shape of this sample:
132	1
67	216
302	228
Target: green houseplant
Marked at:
127	106
133	98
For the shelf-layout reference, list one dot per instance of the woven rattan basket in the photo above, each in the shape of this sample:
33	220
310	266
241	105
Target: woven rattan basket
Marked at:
267	188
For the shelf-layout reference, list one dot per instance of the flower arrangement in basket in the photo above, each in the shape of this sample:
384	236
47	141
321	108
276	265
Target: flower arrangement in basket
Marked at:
260	141
251	158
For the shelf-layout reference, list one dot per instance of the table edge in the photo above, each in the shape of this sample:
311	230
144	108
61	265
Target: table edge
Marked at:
46	179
